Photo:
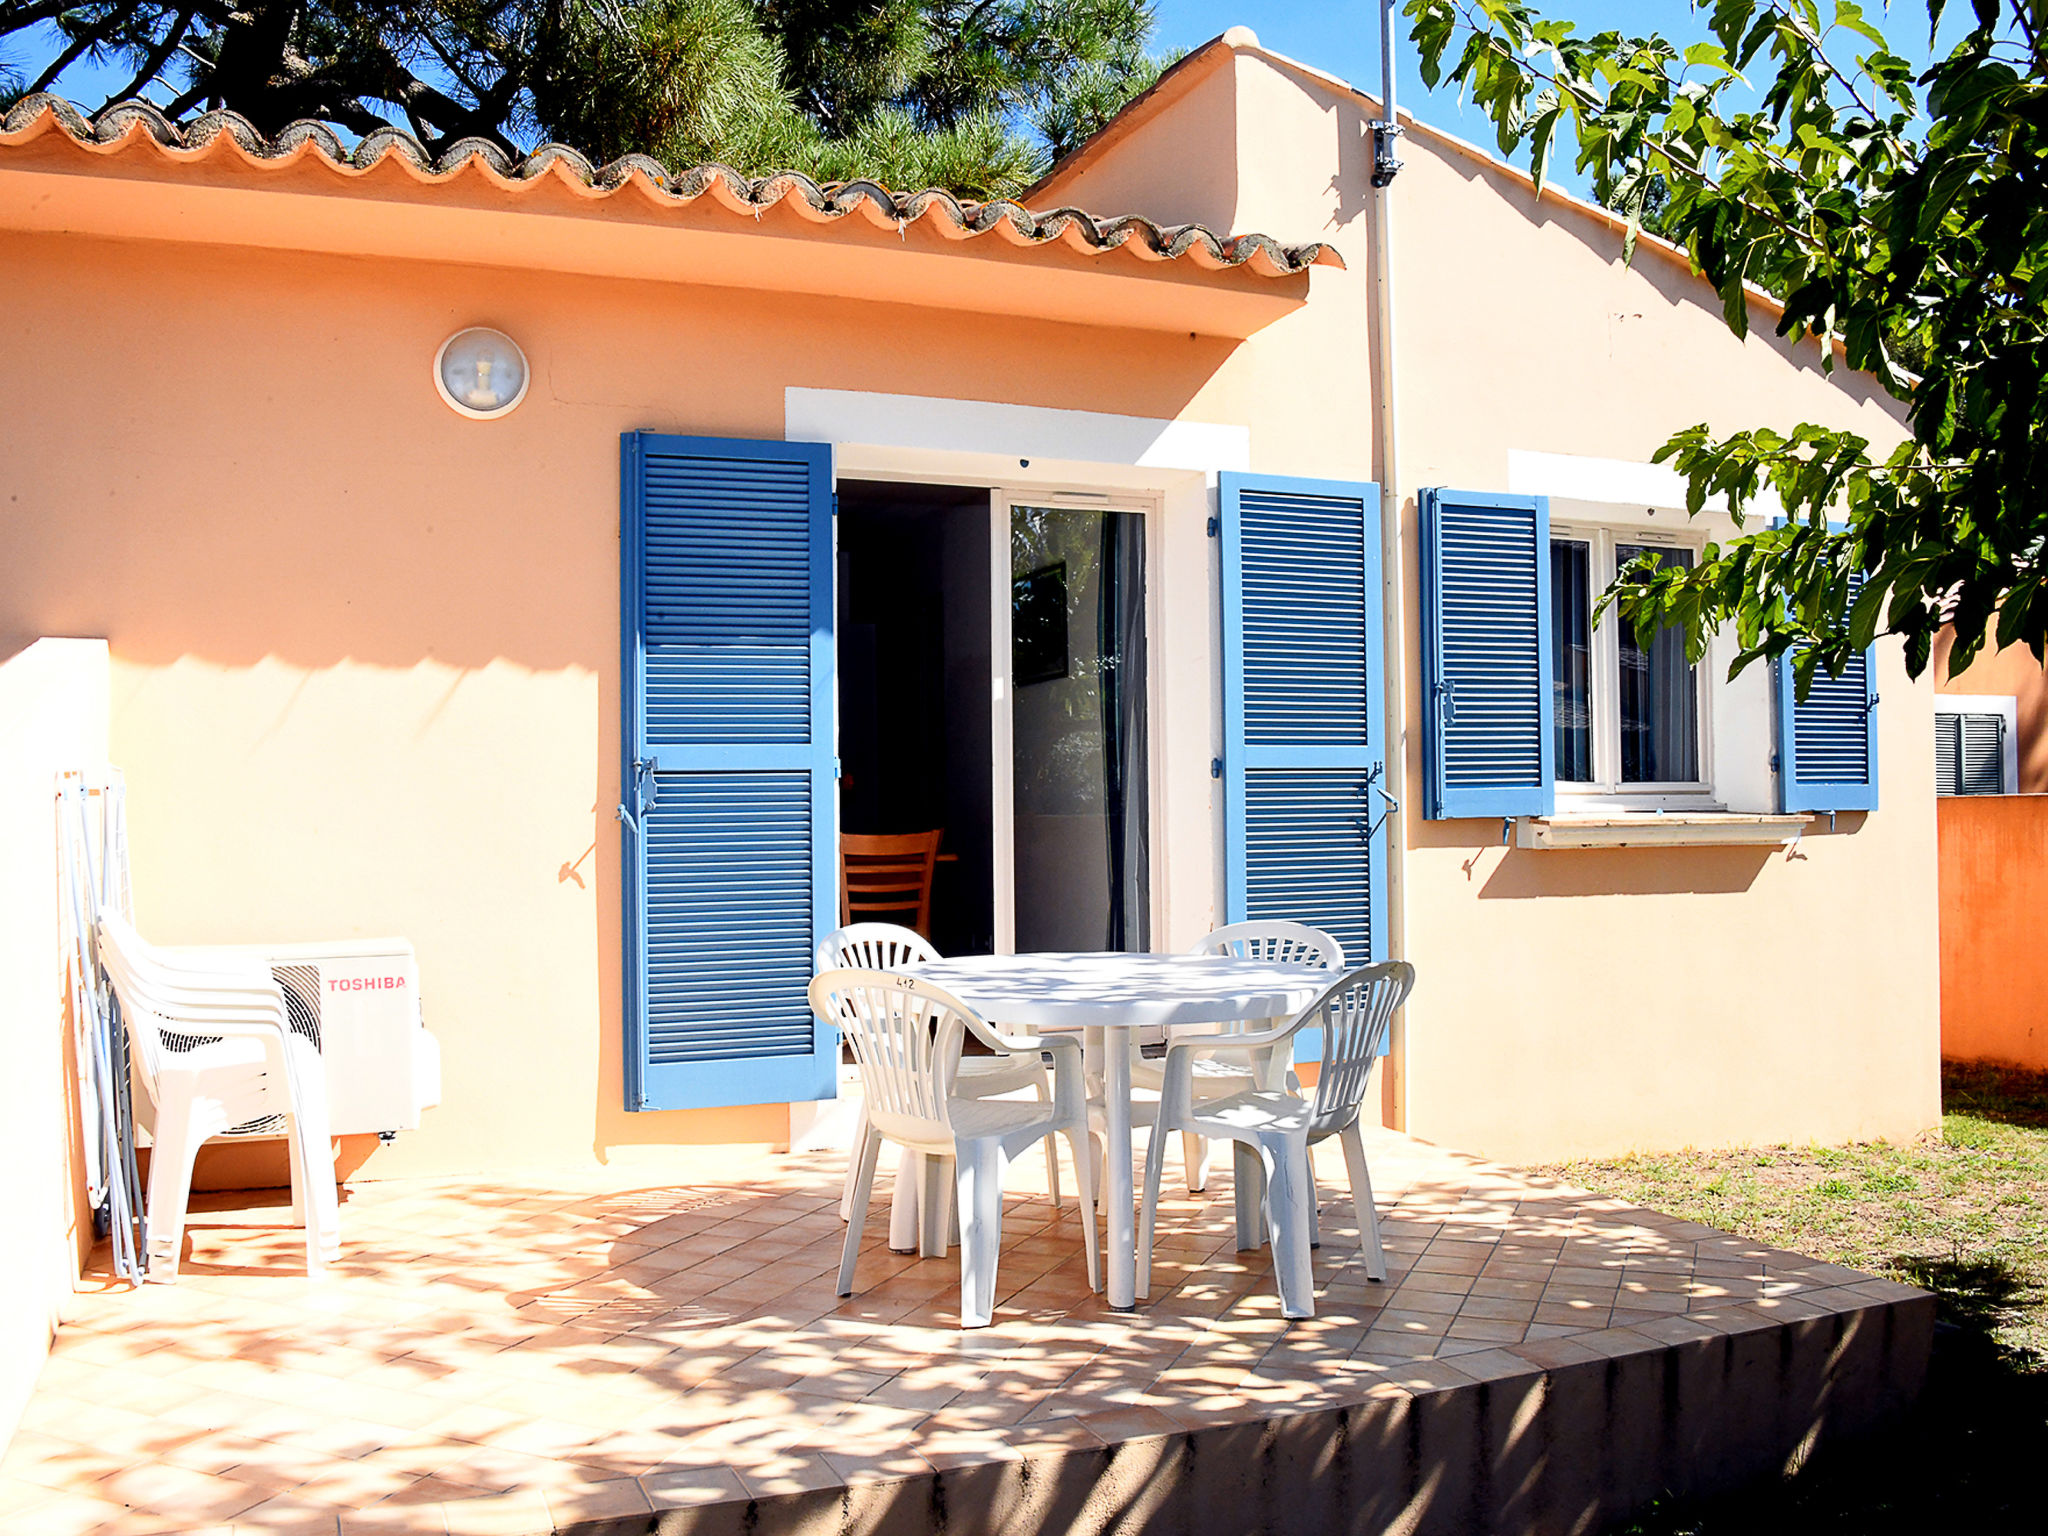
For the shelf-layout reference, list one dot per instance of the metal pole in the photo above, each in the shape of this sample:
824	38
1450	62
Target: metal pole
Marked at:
1393	569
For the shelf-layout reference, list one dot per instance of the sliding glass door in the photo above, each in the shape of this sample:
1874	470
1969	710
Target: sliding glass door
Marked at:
1080	770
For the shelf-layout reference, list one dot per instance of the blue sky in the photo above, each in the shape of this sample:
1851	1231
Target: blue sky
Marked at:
1342	36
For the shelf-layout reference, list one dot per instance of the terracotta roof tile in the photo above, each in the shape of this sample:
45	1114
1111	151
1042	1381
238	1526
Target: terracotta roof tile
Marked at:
823	203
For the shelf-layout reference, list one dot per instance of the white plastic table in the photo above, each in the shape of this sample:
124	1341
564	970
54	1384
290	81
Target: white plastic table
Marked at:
1117	993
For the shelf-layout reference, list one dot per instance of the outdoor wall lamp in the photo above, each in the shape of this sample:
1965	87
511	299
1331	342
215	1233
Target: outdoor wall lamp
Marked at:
481	373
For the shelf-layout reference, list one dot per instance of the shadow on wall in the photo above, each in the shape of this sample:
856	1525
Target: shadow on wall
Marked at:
1669	275
1502	871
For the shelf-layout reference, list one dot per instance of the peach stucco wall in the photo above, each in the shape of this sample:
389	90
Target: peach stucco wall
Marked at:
364	652
1577	1001
1994	967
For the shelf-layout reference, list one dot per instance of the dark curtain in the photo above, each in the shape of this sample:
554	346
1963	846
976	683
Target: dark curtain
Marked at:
1659	695
1571	658
1126	779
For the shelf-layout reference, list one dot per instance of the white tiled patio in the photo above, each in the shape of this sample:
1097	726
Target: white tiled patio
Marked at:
606	1353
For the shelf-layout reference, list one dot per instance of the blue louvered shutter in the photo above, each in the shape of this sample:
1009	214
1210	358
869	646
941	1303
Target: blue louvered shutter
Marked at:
1487	744
726	598
1303	719
1827	746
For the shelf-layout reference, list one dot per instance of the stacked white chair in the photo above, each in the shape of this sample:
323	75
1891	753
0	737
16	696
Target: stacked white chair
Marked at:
1355	1015
906	1037
1229	1070
215	1049
887	947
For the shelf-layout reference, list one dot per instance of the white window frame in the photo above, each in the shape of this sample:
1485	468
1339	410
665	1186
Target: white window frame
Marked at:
1606	791
2005	705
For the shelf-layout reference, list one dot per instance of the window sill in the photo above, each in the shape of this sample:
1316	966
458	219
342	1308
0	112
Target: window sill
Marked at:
1648	829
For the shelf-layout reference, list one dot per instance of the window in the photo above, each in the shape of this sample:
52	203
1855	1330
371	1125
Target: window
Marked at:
1974	749
1626	719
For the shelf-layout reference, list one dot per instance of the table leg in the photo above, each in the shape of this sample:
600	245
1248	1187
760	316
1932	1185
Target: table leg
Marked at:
1122	1250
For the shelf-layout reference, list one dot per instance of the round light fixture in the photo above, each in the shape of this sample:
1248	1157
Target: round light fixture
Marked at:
481	373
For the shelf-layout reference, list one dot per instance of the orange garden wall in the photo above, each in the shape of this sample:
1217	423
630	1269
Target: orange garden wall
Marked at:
1994	963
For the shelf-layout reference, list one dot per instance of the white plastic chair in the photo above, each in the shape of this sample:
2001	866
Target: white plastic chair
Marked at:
1229	1071
888	947
906	1037
1355	1015
215	1049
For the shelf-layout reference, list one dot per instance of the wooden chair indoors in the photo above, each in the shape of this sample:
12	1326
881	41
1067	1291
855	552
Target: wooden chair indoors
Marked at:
888	877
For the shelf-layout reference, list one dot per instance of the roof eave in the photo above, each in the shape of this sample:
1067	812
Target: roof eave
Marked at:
135	144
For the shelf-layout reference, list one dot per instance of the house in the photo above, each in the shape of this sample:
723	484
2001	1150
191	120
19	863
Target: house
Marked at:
544	646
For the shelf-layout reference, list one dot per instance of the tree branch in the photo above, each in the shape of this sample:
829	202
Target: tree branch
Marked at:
1813	42
2025	23
90	38
16	18
1583	100
158	56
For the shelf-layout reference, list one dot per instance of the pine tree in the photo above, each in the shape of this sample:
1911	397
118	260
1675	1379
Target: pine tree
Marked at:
977	96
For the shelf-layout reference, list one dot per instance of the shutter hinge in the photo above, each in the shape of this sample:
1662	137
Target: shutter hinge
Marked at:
1215	527
1774	762
1215	767
838	769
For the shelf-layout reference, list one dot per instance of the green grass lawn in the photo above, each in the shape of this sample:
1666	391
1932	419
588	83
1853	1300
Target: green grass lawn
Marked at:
1967	1218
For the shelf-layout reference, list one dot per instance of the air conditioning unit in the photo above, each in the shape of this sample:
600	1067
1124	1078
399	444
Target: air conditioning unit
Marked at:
358	1000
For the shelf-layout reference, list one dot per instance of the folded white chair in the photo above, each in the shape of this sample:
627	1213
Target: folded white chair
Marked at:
215	1049
1355	1015
887	947
906	1037
1227	1071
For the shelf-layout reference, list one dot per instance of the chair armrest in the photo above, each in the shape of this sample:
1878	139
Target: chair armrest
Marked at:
1069	1079
1176	1088
1016	1045
214	968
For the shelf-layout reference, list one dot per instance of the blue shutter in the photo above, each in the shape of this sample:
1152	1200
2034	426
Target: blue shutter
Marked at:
1827	746
1303	712
1487	744
726	602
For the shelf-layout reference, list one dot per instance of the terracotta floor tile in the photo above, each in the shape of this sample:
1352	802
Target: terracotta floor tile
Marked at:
691	1487
1489	1330
193	1496
287	1515
596	1500
68	1515
1502	1308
